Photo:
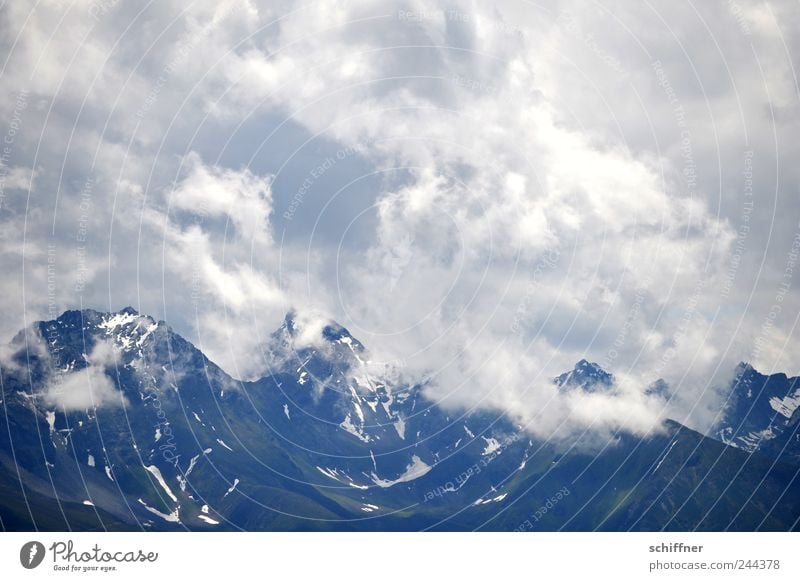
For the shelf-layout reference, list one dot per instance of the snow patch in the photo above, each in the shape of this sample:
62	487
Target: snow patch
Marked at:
349	342
183	479
174	516
342	478
146	334
488	500
51	421
118	320
492	446
192	463
786	406
348	426
356	404
232	488
416	469
328	472
752	440
400	427
364	382
157	474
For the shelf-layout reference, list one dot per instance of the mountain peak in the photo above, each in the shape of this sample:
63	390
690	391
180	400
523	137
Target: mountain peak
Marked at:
91	314
289	324
760	412
293	328
659	388
318	345
585	364
335	333
587	376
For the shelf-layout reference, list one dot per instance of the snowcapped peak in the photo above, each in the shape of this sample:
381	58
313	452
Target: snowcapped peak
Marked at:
307	331
585	365
116	320
310	329
314	349
587	376
335	333
127	328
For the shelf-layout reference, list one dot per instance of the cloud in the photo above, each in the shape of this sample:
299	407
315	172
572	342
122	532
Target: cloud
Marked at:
240	196
528	189
16	178
460	236
89	387
217	244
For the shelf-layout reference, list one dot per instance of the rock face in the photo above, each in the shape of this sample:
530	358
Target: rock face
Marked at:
113	421
761	414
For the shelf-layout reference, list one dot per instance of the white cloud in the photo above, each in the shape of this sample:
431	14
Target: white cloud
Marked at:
221	272
212	191
87	388
17	178
531	206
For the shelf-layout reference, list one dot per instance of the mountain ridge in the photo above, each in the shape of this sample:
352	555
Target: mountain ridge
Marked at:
323	444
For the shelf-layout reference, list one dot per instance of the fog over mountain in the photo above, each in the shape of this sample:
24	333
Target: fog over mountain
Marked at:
113	421
483	194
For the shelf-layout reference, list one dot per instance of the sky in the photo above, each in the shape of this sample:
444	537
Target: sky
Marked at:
482	193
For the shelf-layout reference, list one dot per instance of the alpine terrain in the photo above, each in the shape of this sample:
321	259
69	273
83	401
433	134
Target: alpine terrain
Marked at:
112	421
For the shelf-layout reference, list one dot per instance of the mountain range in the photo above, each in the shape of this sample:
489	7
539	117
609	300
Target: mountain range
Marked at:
113	421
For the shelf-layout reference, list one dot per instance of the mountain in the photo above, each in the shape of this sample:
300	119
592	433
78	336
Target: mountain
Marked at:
112	421
761	414
589	377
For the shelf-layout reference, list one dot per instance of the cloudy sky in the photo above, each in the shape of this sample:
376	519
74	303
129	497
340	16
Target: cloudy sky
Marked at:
482	194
